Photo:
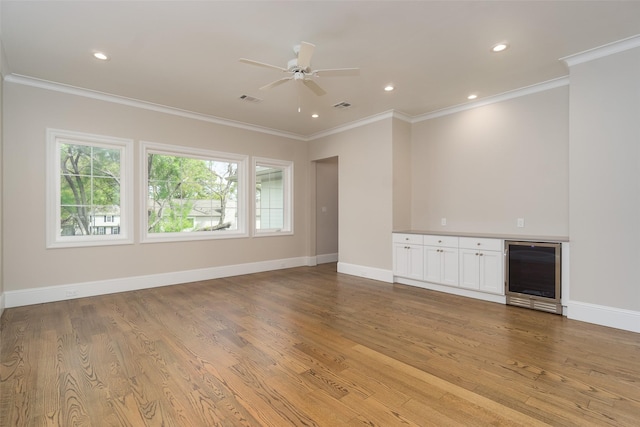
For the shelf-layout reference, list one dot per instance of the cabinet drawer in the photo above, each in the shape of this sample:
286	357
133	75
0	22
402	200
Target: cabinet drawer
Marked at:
415	239
444	241
479	243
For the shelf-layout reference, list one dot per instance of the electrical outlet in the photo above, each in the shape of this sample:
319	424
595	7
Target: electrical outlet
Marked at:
520	222
443	221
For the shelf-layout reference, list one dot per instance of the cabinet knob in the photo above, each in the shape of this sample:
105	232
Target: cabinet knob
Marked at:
439	241
477	254
481	254
478	243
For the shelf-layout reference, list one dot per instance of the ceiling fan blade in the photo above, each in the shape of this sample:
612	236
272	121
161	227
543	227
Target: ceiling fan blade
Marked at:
276	83
314	87
304	55
262	64
337	72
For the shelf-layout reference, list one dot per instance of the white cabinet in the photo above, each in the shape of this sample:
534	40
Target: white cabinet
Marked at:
408	256
466	266
441	259
481	264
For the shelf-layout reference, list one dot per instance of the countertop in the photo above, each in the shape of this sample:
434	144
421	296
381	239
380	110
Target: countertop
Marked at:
518	237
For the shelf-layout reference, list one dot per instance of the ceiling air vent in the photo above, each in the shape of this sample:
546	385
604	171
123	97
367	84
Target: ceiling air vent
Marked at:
248	98
342	105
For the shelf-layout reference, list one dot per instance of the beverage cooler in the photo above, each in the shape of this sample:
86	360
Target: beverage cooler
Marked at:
533	272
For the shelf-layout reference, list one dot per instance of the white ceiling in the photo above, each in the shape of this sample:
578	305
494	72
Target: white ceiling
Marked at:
185	54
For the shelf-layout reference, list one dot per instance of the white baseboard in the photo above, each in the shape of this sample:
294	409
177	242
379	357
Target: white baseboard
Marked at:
612	317
601	315
327	258
367	272
102	287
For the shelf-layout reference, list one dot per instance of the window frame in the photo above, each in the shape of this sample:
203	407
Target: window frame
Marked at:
54	139
287	180
147	147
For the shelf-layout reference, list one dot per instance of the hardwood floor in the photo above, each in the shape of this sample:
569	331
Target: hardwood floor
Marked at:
309	347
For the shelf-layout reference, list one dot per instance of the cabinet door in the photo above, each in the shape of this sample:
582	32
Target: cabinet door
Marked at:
441	265
407	261
432	264
400	262
415	268
469	268
491	272
449	266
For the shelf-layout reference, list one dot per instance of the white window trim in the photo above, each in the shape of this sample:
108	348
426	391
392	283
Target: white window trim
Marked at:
55	137
176	150
287	180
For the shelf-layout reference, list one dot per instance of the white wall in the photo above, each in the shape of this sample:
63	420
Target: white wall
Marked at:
29	265
483	168
2	72
605	183
365	196
402	185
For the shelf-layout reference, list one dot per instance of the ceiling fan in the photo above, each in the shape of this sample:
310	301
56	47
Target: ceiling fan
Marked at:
299	69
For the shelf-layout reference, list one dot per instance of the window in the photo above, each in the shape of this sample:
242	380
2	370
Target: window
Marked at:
192	194
89	178
274	189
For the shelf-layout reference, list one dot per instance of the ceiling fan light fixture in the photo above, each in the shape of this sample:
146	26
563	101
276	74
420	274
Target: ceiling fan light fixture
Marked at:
500	47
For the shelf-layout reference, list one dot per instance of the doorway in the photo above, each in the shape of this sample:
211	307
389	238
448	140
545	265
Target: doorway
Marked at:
327	244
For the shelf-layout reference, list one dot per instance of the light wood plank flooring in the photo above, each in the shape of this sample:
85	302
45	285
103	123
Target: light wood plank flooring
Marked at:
309	347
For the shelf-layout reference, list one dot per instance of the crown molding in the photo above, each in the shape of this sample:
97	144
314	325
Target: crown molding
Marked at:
528	90
101	96
73	90
602	51
402	116
352	125
131	102
391	114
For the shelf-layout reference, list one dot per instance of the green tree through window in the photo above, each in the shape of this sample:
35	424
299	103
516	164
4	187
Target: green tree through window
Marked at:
89	194
89	187
188	194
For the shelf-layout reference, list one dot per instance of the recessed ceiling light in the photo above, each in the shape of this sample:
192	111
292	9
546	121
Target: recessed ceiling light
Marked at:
472	96
315	116
499	47
101	56
389	88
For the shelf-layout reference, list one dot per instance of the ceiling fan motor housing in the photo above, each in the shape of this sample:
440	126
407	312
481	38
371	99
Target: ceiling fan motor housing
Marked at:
292	66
